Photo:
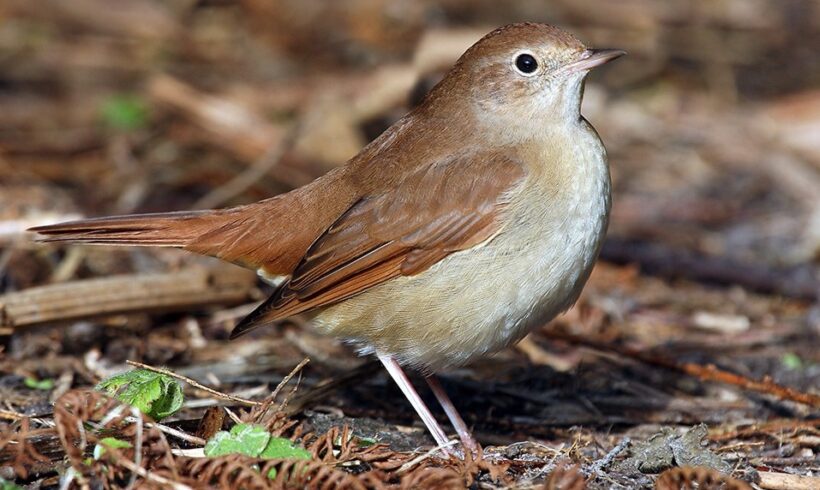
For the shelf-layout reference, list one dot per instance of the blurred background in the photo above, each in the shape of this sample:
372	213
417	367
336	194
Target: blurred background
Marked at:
712	124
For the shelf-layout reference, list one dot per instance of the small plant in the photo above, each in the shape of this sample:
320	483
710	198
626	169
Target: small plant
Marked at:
154	394
7	485
255	441
366	441
38	384
791	361
111	442
124	112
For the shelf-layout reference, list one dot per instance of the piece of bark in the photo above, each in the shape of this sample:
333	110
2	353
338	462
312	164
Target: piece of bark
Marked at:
180	290
782	481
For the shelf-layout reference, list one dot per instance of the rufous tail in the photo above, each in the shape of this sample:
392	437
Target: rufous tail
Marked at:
178	229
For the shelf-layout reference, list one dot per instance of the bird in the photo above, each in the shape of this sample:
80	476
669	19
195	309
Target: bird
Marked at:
473	219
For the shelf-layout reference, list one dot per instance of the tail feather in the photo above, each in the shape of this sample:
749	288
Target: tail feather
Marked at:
272	235
158	230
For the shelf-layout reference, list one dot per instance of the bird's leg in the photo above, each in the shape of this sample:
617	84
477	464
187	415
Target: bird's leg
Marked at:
463	431
413	397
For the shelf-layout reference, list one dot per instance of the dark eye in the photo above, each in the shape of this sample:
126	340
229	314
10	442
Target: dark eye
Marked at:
526	63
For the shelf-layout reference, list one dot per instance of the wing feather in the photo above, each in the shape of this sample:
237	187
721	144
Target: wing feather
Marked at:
442	208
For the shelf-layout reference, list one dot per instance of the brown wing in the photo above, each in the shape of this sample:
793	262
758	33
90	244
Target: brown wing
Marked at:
445	207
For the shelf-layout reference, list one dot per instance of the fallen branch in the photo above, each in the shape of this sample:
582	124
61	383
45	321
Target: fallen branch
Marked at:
784	481
125	294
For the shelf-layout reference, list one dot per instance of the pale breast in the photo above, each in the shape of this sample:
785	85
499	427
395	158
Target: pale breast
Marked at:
483	299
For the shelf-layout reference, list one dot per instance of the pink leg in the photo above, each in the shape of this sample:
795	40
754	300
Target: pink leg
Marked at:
463	431
400	378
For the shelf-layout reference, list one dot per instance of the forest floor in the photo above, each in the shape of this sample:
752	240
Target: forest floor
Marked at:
692	355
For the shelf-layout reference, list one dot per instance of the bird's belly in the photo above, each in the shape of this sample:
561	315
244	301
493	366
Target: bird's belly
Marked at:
476	301
480	300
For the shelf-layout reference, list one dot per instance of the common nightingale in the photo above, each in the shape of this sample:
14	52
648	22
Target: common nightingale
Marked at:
473	219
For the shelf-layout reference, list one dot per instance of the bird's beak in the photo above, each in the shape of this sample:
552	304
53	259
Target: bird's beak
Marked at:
591	58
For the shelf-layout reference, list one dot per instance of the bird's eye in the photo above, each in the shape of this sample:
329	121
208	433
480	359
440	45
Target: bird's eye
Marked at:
526	63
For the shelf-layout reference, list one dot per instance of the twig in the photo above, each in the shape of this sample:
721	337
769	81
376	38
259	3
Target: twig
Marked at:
68	265
148	475
413	462
286	399
780	426
598	466
232	415
173	432
9	415
766	385
538	355
287	378
211	402
194	383
322	389
706	373
263	407
196	452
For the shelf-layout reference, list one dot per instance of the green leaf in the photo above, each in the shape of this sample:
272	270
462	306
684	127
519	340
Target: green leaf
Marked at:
7	485
154	394
254	441
112	442
791	361
281	448
246	439
43	384
366	441
125	112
